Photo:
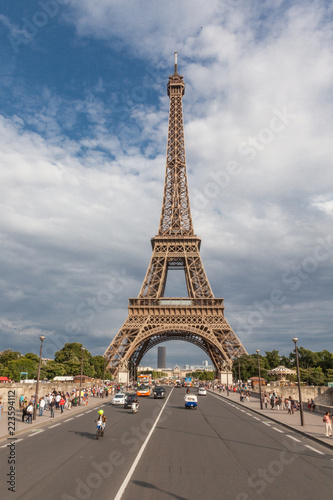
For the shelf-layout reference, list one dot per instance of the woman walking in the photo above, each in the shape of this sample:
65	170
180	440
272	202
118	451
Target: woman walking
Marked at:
328	424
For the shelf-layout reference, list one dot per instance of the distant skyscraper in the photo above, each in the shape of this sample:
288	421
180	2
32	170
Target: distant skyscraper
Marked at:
161	357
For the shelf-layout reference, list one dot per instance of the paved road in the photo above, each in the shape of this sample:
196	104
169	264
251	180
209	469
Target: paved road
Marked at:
219	451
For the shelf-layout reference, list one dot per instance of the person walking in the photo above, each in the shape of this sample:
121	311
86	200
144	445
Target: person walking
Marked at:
41	406
62	404
1	408
328	424
30	410
52	406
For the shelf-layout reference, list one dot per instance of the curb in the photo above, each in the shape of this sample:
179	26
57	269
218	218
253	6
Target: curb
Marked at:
317	440
60	417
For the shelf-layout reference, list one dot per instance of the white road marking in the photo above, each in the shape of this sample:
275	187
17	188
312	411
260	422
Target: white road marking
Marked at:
35	433
88	411
292	437
314	449
247	413
256	418
72	418
77	416
55	425
136	461
279	430
266	423
16	441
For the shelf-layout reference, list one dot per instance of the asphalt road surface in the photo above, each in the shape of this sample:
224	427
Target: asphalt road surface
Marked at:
218	451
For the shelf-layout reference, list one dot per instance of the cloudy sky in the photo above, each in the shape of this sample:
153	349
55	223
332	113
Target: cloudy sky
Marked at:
83	130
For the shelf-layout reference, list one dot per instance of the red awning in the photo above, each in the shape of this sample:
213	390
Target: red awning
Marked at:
5	379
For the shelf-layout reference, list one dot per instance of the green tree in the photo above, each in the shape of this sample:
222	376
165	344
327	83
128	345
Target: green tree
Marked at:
329	375
249	367
8	355
51	369
23	364
273	359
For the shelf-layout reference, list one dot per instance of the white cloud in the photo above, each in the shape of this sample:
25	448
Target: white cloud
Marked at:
258	124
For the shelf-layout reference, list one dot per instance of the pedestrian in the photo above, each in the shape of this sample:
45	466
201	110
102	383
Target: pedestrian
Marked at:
57	400
328	424
313	406
289	406
62	404
41	406
1	408
52	406
21	401
30	410
309	405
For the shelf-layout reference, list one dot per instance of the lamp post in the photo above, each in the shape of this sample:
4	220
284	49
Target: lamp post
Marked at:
41	338
257	351
239	377
295	340
83	349
227	380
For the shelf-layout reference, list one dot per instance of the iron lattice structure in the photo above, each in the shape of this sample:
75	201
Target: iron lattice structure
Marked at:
153	318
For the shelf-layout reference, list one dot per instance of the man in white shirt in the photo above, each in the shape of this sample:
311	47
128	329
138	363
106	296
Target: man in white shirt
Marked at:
41	406
57	399
30	410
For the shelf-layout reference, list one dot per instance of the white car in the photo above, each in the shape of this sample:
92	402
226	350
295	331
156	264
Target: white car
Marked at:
119	399
202	391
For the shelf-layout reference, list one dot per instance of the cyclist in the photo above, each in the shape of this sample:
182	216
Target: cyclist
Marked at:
101	418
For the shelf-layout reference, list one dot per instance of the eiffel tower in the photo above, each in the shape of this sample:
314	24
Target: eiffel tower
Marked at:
153	318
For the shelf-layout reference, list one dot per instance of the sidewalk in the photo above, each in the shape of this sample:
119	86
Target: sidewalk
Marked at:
22	427
314	427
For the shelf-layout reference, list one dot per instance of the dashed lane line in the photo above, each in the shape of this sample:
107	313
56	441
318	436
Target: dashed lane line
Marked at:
72	418
35	433
55	425
89	411
256	418
247	413
16	441
266	423
314	449
77	416
292	437
278	430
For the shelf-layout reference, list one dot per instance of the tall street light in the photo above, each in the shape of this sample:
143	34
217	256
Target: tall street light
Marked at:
295	340
227	380
257	351
239	377
41	338
83	349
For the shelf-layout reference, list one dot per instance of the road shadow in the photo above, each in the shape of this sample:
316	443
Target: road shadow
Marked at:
88	435
150	486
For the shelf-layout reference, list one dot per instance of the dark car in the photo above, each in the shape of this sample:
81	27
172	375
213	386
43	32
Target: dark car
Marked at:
159	392
129	400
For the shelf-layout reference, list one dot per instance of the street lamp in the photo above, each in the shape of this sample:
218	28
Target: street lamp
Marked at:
239	377
295	340
257	351
227	380
41	338
83	349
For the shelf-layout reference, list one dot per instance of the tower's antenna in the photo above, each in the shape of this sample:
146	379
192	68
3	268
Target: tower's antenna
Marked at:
175	63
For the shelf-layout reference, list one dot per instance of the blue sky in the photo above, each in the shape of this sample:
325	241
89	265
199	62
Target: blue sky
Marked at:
83	130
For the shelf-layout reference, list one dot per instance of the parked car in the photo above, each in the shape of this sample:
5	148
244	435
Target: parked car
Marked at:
159	393
202	391
119	399
129	400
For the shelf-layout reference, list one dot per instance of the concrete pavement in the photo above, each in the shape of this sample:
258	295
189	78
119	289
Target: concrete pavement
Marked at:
314	427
